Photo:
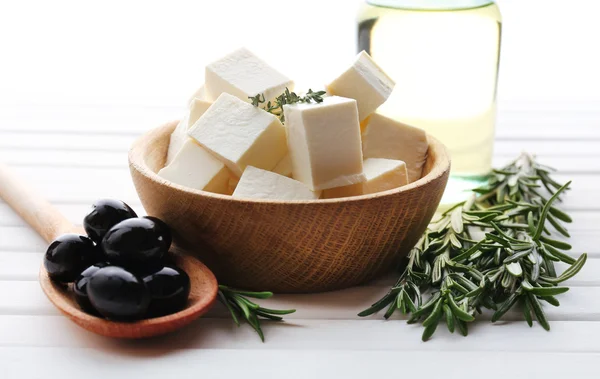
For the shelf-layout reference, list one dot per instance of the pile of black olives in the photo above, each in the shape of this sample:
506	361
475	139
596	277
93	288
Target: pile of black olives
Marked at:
121	269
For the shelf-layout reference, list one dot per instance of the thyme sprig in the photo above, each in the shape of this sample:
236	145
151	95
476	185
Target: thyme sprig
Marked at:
493	251
288	97
240	307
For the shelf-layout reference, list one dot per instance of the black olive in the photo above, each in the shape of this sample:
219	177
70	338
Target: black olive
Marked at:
80	287
68	255
118	294
169	289
105	214
135	243
163	227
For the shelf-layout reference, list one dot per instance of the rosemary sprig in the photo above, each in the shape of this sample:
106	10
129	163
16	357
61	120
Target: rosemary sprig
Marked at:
492	251
239	306
287	97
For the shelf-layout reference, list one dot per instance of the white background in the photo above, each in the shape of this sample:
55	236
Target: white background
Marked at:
153	53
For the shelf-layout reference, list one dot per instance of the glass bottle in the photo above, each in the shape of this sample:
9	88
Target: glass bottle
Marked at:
444	56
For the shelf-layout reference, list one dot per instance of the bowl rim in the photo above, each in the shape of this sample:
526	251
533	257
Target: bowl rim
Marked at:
137	162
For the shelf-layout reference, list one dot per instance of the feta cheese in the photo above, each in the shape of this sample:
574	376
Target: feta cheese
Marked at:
365	82
344	191
240	134
243	74
324	143
387	138
284	167
178	138
199	94
384	174
197	108
179	135
261	184
196	168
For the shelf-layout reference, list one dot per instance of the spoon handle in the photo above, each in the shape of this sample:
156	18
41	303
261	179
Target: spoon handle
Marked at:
42	216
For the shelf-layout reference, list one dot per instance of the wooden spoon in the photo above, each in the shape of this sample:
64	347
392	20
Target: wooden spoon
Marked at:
45	219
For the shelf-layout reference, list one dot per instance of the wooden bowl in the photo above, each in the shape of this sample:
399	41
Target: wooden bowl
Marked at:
290	246
203	293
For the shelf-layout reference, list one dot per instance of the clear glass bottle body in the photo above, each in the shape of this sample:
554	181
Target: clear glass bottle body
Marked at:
444	56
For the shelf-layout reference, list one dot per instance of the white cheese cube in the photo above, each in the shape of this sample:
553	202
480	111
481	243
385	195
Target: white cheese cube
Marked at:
196	168
344	191
384	174
179	135
243	74
365	82
324	143
178	138
240	134
284	167
384	137
261	184
197	108
199	94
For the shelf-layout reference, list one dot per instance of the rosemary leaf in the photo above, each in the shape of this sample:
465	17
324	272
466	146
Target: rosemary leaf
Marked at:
241	307
499	238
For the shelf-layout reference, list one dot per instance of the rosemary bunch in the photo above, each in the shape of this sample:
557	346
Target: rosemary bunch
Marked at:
239	306
493	251
288	97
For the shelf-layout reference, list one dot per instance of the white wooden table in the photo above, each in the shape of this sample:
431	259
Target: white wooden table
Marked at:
81	158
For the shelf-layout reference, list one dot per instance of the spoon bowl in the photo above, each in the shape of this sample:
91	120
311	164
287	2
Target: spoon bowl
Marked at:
49	223
203	293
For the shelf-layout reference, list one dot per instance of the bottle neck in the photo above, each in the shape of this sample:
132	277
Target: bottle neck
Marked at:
431	5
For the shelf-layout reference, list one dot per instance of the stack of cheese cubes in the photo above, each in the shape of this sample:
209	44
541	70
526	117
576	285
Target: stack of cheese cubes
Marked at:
337	148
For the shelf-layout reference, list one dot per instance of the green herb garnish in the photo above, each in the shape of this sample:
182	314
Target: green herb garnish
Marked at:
239	306
287	97
492	251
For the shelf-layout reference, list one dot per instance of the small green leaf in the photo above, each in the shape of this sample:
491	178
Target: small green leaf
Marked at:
449	318
547	291
538	311
559	228
551	300
570	272
516	256
559	255
435	315
409	302
546	209
527	311
514	269
457	221
428	332
432	302
505	307
462	327
391	309
458	312
562	216
554	243
531	223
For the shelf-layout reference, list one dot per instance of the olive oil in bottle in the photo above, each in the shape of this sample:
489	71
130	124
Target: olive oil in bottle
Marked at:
443	55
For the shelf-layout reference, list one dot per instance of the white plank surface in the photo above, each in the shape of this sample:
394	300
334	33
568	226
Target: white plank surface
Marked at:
123	362
80	159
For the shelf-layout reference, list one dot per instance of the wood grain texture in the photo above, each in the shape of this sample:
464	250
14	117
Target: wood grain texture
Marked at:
294	247
42	216
203	293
